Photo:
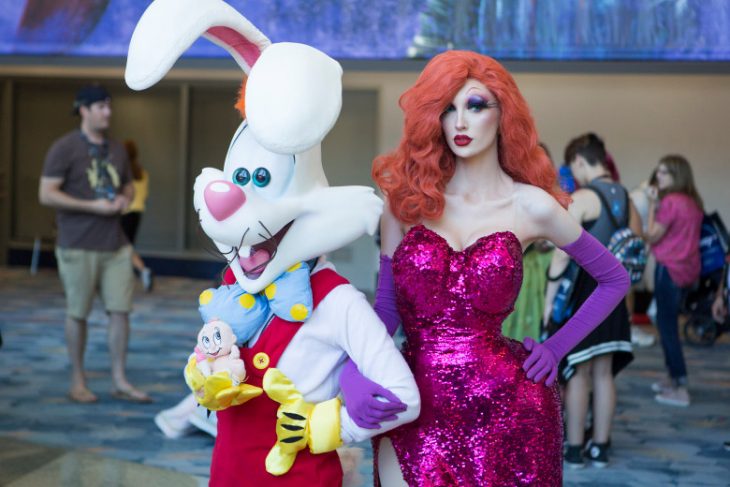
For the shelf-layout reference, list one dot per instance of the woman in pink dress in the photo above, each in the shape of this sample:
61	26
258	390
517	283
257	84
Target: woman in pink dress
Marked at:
468	189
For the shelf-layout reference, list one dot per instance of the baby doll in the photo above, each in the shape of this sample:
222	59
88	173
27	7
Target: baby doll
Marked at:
232	316
215	371
217	352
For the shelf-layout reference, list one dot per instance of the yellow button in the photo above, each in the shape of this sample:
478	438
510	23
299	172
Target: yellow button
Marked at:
299	312
261	360
205	297
270	291
247	301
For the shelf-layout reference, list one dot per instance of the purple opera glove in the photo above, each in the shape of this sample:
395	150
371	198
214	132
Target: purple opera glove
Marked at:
360	393
613	284
361	399
541	362
385	301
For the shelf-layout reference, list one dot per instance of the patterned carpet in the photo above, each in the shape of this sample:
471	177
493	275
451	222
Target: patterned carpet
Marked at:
652	444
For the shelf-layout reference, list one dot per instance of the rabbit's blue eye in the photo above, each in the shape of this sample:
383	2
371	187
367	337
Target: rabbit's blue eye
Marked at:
261	177
241	176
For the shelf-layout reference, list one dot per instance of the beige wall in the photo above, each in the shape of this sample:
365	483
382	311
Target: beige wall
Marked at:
640	116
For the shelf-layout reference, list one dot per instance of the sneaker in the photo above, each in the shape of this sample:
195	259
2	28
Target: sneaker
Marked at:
597	453
662	385
587	444
204	421
641	339
173	426
148	279
674	397
651	311
573	457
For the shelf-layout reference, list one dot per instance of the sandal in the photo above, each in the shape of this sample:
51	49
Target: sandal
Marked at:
131	395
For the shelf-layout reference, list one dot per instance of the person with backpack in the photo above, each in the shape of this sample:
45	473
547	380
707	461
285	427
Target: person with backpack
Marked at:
675	221
605	211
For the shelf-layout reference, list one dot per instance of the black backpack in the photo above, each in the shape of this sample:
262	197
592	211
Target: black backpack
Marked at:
629	248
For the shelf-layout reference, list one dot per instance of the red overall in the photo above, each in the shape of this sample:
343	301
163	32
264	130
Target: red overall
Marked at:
247	432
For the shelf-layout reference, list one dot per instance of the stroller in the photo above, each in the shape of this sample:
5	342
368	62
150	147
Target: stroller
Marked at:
700	328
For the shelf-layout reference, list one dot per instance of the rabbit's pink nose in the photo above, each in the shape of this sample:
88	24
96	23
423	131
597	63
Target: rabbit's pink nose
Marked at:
223	199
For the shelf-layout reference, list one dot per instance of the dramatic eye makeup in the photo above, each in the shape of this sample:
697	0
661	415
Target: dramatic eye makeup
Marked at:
477	103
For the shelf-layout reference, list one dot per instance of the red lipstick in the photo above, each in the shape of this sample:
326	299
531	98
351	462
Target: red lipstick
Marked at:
462	140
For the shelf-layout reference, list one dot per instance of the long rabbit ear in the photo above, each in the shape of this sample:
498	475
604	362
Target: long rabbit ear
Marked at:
169	27
293	97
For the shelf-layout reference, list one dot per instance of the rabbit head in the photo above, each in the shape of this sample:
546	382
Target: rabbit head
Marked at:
271	206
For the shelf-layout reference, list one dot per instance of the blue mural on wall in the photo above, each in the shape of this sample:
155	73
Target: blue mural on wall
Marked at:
577	29
397	29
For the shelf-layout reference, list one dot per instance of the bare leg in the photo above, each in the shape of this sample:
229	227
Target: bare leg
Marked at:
604	398
137	262
388	467
118	341
144	273
576	403
76	345
630	302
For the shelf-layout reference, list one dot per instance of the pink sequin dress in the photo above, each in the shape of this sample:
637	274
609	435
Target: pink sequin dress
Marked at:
482	422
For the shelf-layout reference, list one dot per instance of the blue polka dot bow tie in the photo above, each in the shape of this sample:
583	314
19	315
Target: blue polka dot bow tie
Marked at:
289	297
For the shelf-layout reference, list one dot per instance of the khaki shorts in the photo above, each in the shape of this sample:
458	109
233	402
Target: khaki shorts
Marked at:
83	272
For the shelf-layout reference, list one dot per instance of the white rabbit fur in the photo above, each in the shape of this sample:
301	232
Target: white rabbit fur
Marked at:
293	98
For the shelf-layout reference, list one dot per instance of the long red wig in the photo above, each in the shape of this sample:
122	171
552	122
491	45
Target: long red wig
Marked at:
241	101
414	176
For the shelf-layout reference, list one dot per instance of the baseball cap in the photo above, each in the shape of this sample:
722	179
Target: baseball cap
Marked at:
89	94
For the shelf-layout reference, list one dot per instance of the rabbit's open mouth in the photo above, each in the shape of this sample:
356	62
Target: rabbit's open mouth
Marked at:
261	254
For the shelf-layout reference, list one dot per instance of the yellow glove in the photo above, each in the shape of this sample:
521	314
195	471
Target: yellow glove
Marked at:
217	391
299	423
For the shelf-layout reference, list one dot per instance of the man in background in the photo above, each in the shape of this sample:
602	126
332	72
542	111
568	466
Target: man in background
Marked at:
86	178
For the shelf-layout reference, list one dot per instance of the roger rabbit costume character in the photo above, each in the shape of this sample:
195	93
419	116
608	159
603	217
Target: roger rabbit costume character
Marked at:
270	211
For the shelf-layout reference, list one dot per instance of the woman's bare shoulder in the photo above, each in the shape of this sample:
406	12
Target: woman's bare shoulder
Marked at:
540	215
534	203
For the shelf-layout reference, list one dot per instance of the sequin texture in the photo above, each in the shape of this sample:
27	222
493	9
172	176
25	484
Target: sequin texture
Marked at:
482	421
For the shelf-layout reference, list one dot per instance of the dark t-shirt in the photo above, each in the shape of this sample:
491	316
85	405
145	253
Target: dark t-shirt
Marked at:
88	172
